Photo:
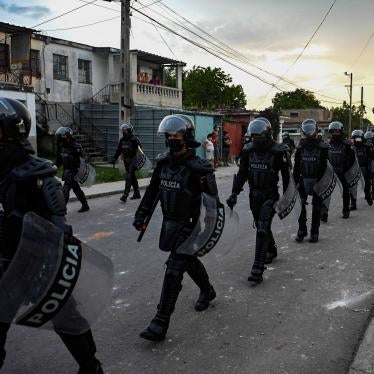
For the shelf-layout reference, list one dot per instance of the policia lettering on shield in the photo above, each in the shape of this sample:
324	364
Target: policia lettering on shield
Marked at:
28	186
179	181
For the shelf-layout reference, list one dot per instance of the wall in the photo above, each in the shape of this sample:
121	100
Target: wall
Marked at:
28	99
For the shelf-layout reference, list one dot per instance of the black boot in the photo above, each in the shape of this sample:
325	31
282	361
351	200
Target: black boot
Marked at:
157	329
205	297
123	198
271	254
316	219
301	233
93	368
353	204
84	208
346	213
262	243
369	199
135	196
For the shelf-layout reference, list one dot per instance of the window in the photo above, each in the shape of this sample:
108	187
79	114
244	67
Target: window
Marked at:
35	63
294	114
60	67
84	71
4	57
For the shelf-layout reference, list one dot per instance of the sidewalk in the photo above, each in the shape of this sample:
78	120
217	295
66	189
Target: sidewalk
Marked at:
363	362
114	188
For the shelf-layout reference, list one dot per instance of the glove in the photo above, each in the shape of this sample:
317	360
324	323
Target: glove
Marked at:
231	201
138	223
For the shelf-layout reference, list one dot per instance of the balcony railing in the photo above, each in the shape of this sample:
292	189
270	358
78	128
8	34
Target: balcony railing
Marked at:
19	77
152	89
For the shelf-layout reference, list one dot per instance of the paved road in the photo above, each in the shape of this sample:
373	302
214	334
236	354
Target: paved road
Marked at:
306	317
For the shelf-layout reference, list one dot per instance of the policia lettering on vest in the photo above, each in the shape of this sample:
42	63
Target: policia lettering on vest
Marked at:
179	180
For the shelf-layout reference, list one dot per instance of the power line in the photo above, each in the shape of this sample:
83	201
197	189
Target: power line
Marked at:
101	6
63	14
163	39
80	26
146	6
363	49
307	44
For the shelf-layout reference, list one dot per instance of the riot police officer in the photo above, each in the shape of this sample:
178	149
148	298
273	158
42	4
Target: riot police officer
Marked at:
69	154
260	163
128	147
341	157
364	153
28	184
286	139
178	181
311	158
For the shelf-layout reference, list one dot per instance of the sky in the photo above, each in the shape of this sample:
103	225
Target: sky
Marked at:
269	34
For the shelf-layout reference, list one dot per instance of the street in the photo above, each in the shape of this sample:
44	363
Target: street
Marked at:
306	317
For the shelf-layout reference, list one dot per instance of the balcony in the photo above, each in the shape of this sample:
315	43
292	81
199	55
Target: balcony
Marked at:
155	95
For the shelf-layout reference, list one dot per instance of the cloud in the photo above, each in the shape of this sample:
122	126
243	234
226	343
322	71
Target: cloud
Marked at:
30	11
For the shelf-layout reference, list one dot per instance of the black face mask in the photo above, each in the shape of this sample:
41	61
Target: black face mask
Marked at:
11	155
175	145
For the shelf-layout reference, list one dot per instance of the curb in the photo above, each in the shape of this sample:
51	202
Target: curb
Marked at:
363	362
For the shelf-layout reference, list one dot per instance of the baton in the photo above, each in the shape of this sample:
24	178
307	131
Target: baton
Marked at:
148	218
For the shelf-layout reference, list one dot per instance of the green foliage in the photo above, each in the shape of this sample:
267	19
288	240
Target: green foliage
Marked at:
209	89
342	114
169	77
298	99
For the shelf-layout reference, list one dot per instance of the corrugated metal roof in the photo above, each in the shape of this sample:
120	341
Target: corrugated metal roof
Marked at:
146	56
10	29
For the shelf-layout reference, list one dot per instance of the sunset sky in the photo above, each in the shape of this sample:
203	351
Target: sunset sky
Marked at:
269	33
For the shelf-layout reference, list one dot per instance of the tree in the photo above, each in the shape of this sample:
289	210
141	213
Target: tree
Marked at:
209	88
298	99
341	114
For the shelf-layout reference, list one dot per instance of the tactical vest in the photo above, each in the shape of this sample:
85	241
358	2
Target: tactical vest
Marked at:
261	173
310	161
69	158
361	154
177	200
337	157
127	148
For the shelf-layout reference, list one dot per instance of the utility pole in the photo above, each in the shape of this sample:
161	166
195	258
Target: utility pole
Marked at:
125	100
362	109
350	103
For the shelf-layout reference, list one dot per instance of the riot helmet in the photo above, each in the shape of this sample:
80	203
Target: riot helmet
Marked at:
260	131
357	136
178	124
309	128
127	129
336	127
369	135
15	120
64	132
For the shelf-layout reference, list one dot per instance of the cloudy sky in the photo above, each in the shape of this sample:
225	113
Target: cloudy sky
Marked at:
268	34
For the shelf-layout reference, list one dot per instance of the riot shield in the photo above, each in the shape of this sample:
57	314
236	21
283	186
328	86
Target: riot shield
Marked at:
353	175
54	281
326	185
207	230
142	161
86	175
289	200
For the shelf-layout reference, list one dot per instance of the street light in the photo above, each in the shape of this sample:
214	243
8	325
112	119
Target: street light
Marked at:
350	103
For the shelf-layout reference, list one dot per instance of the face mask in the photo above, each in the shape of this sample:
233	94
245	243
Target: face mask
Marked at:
358	140
175	145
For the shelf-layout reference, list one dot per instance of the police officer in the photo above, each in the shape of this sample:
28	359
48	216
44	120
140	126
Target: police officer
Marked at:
341	157
28	184
364	153
261	161
178	181
69	154
286	139
128	147
310	165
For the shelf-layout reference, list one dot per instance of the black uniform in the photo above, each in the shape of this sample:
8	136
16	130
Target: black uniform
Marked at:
28	184
178	182
260	166
365	156
128	147
310	165
69	153
342	157
290	143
